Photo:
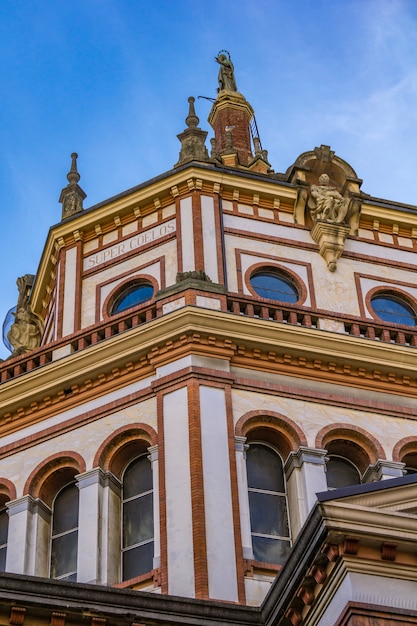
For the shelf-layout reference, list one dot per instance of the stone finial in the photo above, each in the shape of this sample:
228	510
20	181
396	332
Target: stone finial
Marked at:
191	120
192	140
72	195
73	175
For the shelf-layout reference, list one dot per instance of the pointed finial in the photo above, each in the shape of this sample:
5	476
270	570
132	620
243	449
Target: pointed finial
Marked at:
191	120
73	175
192	138
72	195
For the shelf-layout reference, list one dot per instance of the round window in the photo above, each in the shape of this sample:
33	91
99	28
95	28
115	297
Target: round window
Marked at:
132	296
390	308
274	285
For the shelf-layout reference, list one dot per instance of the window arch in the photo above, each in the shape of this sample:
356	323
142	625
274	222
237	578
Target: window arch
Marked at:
267	504
393	307
341	472
273	283
130	455
137	519
131	295
64	533
405	451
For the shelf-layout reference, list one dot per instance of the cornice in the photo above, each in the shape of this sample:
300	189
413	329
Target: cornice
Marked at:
390	214
247	342
343	519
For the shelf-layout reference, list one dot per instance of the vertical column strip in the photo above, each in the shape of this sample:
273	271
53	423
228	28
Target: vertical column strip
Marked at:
197	490
187	235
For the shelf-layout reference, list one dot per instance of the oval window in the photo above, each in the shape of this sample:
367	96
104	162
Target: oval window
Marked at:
274	286
390	308
132	296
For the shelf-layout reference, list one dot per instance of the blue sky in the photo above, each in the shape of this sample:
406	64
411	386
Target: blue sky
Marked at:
110	79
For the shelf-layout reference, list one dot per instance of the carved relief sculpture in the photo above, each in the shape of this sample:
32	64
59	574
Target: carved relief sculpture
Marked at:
326	203
328	209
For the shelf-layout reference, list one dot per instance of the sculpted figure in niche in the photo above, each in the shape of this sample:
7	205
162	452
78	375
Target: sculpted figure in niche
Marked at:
25	332
326	203
226	72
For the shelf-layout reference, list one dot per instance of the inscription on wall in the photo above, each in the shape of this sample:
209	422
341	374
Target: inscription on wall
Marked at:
133	243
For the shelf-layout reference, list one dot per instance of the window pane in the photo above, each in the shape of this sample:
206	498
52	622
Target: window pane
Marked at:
65	510
138	520
64	554
137	478
274	286
268	514
392	309
264	469
137	561
4	525
270	550
3	552
132	297
341	473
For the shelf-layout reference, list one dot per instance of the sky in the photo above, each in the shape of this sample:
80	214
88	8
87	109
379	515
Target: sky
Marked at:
110	79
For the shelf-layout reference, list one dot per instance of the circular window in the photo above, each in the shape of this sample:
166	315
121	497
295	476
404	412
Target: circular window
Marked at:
132	296
390	308
274	285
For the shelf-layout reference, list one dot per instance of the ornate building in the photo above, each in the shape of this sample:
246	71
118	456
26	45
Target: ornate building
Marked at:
212	376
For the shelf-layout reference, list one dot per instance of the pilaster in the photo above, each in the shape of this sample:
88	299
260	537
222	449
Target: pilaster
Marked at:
305	471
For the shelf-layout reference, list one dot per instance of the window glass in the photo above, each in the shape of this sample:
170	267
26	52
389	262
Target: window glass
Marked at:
410	461
267	505
4	527
274	285
341	473
264	469
137	519
132	296
64	543
392	309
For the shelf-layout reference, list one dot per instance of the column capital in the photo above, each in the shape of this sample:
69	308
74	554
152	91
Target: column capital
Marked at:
314	456
153	453
91	477
240	444
382	470
27	503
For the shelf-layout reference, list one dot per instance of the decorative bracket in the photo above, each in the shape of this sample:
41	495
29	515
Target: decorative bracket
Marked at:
331	240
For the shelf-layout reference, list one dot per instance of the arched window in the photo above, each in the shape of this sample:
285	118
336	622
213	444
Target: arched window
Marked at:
138	527
341	472
64	536
267	504
410	460
392	308
4	529
131	296
275	285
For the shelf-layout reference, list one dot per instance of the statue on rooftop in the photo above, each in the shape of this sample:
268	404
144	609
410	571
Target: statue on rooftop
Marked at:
326	203
26	331
226	72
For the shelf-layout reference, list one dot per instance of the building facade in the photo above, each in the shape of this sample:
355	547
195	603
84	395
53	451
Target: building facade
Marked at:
196	359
